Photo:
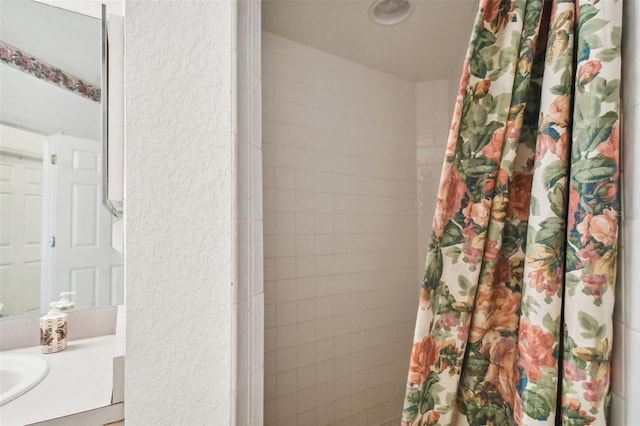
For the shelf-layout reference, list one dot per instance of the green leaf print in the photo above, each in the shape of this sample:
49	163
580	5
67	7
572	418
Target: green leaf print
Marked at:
535	405
477	121
427	401
528	305
433	270
553	173
592	329
572	264
592	25
593	170
464	284
507	56
606	91
552	325
587	12
593	41
509	242
587	322
479	167
612	92
564	88
454	253
616	38
451	236
487	133
490	413
608	55
587	108
551	230
557	199
602	129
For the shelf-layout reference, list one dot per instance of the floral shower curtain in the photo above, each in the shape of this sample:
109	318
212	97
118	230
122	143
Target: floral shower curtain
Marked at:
514	324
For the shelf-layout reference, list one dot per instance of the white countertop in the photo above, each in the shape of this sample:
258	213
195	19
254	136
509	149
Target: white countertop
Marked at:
80	378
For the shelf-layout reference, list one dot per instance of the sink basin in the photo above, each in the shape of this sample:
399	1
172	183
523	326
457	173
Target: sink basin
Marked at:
19	373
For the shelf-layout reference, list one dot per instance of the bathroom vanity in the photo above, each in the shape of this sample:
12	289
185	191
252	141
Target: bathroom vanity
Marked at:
61	150
84	384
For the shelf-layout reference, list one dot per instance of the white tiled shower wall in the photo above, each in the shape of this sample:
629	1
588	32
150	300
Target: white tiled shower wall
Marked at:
434	109
625	364
340	237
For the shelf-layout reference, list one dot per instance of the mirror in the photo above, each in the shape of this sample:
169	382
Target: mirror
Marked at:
55	230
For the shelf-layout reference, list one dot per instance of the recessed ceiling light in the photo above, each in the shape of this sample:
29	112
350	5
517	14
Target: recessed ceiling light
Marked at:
390	12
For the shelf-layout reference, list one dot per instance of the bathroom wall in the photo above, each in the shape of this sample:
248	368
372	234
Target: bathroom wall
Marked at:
248	329
179	212
340	237
434	108
625	365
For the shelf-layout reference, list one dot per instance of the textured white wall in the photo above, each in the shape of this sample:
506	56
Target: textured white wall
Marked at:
179	175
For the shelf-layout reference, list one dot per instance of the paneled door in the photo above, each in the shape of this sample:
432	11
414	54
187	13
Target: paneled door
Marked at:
20	232
83	259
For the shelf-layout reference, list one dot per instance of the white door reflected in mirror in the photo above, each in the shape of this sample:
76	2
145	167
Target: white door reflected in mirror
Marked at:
21	191
56	233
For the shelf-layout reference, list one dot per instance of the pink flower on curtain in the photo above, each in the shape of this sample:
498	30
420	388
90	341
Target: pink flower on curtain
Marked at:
603	227
589	253
513	131
595	283
536	349
27	63
423	356
433	418
453	189
561	149
595	390
481	88
475	242
6	53
573	372
478	213
450	320
493	150
588	71
559	110
496	309
610	148
574	204
546	280
560	146
502	353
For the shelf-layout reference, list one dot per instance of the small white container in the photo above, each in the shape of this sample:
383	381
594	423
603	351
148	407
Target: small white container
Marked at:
53	326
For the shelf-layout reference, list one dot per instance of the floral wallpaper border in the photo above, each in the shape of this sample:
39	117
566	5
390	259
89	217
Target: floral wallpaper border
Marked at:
24	62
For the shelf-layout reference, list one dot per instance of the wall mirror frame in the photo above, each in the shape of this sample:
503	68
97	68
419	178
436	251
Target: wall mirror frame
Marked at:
91	220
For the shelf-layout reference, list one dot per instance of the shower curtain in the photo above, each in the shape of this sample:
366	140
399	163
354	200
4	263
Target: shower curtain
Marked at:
515	318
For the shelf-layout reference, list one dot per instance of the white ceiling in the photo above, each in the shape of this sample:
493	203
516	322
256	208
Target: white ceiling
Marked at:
429	45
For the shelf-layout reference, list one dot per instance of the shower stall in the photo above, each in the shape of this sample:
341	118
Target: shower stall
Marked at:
352	145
